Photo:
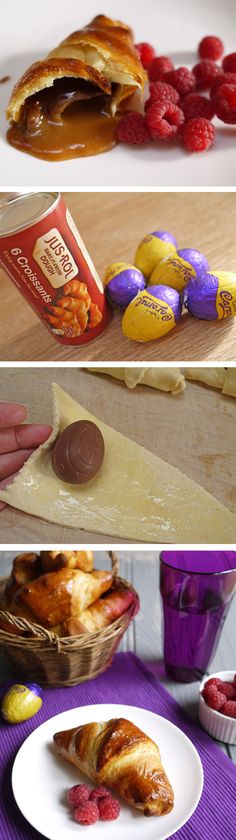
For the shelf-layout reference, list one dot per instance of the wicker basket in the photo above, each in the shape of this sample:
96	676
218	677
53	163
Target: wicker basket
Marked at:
54	661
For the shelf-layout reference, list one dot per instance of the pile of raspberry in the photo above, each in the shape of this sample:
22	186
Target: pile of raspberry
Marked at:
221	696
175	107
91	804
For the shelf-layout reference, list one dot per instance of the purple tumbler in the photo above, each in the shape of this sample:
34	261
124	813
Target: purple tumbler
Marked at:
197	588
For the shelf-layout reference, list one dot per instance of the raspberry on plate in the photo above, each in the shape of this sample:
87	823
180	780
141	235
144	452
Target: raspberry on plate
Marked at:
211	47
213	697
132	129
78	794
205	72
163	120
158	67
229	63
182	79
101	792
195	105
146	53
229	708
87	813
225	104
109	808
222	79
161	90
198	134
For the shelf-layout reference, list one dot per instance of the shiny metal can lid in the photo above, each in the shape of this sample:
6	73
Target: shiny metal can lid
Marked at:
23	211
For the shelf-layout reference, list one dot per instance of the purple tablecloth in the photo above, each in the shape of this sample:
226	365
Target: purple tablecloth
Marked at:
129	681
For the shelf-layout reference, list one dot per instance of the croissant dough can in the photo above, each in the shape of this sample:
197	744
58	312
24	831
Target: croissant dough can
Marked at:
135	495
45	256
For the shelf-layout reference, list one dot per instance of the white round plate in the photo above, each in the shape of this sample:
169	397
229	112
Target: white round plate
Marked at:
175	28
40	778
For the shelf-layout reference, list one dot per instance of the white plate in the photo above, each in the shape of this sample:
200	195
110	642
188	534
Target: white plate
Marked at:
40	778
175	27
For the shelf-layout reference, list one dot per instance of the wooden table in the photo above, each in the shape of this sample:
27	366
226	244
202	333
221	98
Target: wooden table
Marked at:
194	431
144	635
112	224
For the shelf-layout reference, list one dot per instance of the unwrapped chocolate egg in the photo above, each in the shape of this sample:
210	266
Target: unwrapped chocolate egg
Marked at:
122	282
152	314
153	248
212	296
21	702
178	269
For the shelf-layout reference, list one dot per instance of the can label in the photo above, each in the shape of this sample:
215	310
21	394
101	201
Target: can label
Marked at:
51	267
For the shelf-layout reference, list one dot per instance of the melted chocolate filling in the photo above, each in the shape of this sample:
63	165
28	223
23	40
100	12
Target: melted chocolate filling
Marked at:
52	102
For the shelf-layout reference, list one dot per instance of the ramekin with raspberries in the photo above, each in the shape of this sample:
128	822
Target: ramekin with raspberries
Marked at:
217	705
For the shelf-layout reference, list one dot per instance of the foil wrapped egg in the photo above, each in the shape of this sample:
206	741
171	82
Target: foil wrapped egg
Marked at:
21	702
122	282
152	314
178	269
212	296
153	248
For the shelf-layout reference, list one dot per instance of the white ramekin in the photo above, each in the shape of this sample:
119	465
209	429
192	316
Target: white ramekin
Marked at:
219	726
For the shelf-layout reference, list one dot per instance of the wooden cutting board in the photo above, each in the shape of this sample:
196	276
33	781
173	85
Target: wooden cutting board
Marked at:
194	431
112	224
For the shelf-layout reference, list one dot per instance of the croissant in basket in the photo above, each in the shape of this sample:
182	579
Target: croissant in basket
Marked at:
65	105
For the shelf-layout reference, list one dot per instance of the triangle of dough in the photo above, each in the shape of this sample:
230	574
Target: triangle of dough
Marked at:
135	495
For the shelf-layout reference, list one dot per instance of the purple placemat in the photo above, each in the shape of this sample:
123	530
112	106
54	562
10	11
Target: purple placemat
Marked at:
128	681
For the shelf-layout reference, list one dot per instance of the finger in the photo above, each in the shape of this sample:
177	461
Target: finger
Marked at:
11	414
4	484
26	436
13	461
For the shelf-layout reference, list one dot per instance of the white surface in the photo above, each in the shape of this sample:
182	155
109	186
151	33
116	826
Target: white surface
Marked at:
220	726
45	808
175	28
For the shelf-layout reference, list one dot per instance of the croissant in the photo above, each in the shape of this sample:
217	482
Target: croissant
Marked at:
95	61
118	754
100	614
26	567
51	561
56	596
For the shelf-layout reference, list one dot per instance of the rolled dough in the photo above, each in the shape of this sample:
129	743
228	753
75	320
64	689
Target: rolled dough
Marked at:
164	379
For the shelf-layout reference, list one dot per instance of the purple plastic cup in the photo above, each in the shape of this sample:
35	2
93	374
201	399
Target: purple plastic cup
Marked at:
197	588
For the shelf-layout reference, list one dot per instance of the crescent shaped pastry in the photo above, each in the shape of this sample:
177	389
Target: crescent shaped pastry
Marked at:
118	754
163	379
135	495
98	60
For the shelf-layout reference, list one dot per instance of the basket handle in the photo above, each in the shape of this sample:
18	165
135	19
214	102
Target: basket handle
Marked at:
33	629
114	562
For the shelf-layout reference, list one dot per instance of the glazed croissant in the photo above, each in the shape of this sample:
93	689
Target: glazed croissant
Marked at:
101	57
26	567
118	754
100	614
56	596
51	561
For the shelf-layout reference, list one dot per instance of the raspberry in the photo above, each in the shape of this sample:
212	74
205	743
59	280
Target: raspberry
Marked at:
229	63
222	79
211	47
100	792
146	53
160	91
205	72
213	681
225	104
182	79
132	129
229	690
87	813
229	708
214	698
195	105
109	808
158	67
198	134
163	120
234	679
78	794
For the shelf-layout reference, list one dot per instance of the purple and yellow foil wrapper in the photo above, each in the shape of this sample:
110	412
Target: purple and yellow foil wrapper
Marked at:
178	269
153	248
123	281
212	296
152	314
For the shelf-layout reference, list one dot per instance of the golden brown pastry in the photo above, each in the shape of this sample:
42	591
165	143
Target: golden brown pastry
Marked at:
51	561
118	754
95	62
26	567
100	614
56	596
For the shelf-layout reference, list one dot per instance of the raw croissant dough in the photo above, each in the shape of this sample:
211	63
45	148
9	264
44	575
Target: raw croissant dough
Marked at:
164	379
135	495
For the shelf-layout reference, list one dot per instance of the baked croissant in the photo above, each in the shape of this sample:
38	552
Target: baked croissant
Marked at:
100	614
56	596
118	754
26	567
51	561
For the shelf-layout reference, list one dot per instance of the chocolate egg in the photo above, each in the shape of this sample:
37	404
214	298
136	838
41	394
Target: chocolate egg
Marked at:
153	248
178	269
21	702
78	452
212	296
123	282
152	314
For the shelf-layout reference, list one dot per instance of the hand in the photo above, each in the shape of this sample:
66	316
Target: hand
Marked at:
17	441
